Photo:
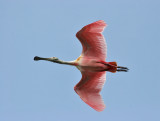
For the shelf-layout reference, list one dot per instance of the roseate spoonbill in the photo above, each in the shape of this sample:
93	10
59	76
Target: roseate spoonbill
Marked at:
91	64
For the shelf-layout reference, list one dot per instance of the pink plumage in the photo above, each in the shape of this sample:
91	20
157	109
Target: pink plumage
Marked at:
92	40
92	64
89	87
94	49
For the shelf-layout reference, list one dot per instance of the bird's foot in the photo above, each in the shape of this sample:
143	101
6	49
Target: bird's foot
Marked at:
121	68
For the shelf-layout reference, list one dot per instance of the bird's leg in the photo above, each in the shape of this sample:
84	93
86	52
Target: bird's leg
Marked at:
125	70
121	68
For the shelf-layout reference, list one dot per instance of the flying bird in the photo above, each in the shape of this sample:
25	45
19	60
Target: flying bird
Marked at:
92	64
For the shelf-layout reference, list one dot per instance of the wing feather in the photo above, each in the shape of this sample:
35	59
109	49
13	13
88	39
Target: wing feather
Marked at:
94	47
92	40
89	88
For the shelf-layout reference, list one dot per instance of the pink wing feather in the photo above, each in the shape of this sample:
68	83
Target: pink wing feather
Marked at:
92	40
94	46
89	87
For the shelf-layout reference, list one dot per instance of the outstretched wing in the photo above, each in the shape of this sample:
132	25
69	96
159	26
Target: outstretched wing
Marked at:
89	87
92	40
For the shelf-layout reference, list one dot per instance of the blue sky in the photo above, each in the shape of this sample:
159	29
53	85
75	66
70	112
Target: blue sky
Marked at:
43	91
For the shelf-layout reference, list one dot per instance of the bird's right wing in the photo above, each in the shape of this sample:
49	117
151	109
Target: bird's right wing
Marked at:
89	87
92	40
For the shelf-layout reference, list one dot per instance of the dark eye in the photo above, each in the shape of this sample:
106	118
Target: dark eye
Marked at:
55	58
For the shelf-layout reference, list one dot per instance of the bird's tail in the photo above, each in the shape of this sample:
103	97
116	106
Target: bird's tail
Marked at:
112	67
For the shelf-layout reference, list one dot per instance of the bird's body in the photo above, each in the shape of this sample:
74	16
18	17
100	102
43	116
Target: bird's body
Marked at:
91	64
88	64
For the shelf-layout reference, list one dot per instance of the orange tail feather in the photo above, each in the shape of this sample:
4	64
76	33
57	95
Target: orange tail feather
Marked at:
113	67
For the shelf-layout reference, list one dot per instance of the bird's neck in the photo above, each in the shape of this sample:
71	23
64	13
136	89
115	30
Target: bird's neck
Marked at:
64	62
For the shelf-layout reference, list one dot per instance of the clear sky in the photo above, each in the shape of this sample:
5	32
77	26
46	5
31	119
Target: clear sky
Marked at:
43	91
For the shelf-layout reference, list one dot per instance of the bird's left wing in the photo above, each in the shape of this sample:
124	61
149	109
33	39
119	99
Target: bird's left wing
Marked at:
89	87
92	40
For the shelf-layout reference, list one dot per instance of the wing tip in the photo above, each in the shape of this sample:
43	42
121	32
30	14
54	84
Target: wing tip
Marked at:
100	108
102	22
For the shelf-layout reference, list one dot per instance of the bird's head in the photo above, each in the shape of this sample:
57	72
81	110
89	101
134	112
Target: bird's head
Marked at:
54	59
